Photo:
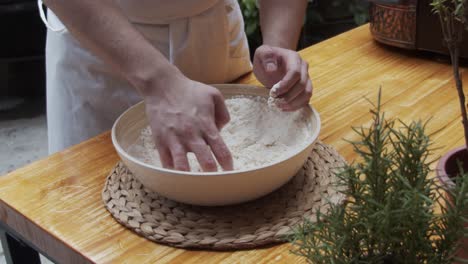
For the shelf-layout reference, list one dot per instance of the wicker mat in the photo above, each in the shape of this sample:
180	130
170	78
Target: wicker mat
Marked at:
258	223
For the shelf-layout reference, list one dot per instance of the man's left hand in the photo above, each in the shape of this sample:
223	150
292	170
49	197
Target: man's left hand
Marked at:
272	65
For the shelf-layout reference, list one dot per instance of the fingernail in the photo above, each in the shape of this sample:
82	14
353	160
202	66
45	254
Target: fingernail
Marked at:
270	66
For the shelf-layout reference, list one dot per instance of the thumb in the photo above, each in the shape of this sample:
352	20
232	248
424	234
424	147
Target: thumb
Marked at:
270	65
269	59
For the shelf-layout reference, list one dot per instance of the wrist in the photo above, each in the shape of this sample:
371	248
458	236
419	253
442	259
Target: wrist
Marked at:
276	41
152	80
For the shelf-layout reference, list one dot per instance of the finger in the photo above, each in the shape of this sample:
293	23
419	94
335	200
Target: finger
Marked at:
300	86
219	149
165	156
164	153
179	155
203	154
309	90
268	58
292	76
274	89
221	112
299	102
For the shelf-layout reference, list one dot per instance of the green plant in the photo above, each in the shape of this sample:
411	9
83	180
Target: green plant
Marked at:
389	216
251	16
453	20
360	10
357	9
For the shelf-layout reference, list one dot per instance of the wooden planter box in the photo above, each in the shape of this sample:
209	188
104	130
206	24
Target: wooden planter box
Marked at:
409	24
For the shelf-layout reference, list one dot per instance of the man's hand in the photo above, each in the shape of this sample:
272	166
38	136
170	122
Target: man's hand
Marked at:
272	65
187	116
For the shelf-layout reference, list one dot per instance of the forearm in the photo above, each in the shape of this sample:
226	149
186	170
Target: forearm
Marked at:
101	27
281	22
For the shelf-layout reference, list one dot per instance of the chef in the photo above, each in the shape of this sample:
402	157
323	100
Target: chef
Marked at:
104	56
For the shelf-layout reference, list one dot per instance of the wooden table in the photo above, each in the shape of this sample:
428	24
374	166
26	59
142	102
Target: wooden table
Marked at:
55	204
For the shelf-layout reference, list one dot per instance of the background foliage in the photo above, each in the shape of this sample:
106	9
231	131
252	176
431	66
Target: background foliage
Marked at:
324	18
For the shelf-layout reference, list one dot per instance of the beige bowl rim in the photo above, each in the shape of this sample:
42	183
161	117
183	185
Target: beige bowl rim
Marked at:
121	151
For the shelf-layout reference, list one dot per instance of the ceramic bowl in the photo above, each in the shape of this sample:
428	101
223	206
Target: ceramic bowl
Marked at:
211	188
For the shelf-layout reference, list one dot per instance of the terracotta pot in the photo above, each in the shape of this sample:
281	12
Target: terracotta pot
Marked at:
446	169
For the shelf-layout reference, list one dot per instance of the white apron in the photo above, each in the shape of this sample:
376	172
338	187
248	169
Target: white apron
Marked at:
205	39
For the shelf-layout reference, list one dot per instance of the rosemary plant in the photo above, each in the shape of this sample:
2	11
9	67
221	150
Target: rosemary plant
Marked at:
390	215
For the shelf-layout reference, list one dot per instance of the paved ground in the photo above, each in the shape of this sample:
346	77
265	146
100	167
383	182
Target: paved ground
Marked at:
23	137
23	134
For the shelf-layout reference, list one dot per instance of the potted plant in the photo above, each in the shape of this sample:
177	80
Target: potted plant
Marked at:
453	20
390	213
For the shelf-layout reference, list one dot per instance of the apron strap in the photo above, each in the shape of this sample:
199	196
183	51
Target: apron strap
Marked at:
40	6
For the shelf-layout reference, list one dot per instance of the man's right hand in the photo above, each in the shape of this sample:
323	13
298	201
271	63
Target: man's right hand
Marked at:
187	116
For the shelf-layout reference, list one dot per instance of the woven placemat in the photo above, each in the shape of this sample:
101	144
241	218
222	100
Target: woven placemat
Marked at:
253	224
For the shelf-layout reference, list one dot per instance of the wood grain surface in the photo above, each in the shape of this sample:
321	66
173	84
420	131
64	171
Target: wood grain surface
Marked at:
56	203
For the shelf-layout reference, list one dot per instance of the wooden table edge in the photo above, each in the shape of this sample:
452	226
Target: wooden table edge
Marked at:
29	232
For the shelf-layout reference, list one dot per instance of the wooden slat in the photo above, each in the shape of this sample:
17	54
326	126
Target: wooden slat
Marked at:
56	202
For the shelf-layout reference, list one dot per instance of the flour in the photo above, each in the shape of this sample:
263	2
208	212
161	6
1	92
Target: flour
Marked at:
257	135
273	101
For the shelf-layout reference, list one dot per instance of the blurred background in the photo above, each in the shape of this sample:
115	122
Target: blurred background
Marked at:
23	136
324	19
